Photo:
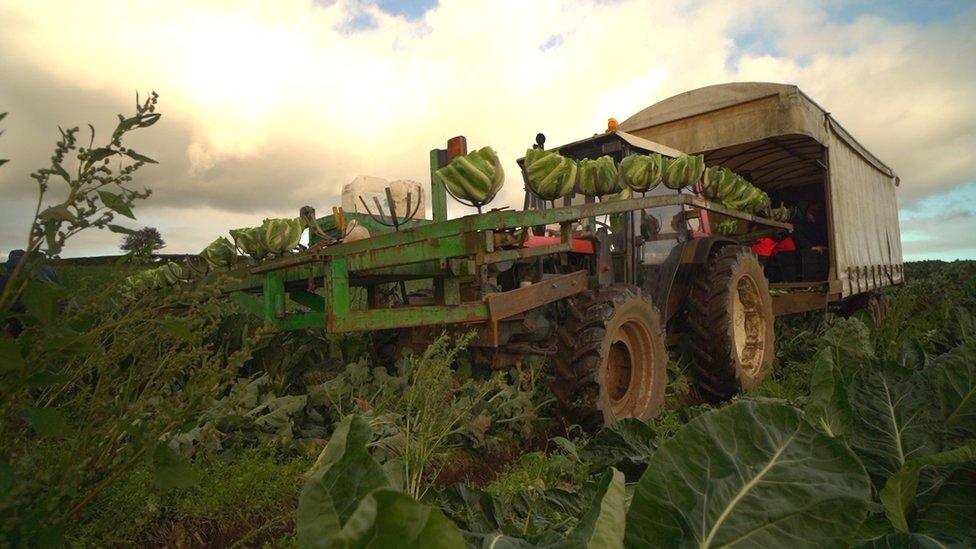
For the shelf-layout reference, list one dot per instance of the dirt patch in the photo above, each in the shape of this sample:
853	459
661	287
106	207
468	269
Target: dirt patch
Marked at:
478	468
195	532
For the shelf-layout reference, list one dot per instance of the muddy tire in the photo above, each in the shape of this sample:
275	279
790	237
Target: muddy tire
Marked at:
611	358
730	323
874	303
877	307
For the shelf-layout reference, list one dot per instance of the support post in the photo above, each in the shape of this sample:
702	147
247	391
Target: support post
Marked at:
336	291
438	194
274	297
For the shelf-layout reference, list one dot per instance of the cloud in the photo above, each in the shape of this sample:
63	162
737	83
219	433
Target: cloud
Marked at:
270	106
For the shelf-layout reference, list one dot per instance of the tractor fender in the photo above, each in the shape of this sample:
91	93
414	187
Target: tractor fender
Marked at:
671	291
698	250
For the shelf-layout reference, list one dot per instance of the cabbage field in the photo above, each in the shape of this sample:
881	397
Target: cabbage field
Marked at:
179	420
171	417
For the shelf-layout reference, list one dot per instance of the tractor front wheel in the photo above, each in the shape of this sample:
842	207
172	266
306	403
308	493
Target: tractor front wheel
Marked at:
611	359
730	320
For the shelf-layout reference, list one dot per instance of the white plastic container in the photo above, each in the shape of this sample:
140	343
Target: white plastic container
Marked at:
369	188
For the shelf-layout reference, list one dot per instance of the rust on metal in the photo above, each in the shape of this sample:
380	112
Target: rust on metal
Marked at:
503	305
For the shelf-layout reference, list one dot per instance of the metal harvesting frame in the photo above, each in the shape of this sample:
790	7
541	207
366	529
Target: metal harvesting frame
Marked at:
314	289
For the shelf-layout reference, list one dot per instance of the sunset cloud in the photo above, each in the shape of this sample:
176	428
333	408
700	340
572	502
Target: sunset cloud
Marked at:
270	106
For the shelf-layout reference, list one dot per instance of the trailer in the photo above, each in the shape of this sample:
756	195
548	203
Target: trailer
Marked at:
792	148
599	288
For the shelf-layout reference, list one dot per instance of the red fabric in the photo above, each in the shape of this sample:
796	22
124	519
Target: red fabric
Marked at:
764	247
785	245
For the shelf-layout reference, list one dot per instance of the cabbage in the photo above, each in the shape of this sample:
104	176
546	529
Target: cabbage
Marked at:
549	175
174	273
684	171
220	253
598	177
642	172
279	236
474	178
249	241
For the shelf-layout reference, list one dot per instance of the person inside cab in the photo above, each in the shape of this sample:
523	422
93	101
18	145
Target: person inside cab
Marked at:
810	229
798	255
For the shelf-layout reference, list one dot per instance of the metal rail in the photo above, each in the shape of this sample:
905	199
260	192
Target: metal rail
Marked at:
446	251
500	220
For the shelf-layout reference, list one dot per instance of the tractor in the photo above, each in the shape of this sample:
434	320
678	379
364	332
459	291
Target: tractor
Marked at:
602	289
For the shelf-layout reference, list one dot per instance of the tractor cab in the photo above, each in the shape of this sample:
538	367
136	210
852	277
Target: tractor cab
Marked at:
644	247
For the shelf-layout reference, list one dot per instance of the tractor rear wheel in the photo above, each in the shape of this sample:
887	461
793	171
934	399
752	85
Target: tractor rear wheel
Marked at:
611	358
730	319
873	302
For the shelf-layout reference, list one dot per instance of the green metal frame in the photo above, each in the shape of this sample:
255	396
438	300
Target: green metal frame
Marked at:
448	251
313	289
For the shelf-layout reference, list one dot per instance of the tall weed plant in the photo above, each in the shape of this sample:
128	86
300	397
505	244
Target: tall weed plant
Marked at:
92	386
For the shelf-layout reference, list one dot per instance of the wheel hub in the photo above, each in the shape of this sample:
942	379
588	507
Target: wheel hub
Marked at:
748	324
629	368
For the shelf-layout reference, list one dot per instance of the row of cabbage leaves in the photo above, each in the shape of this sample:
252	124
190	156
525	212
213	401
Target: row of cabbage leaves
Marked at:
274	238
879	454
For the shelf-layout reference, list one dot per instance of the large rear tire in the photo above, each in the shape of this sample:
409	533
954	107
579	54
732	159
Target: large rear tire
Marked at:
611	359
874	302
730	319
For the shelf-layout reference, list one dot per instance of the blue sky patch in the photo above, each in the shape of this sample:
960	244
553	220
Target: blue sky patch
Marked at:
940	226
958	202
361	20
919	12
411	9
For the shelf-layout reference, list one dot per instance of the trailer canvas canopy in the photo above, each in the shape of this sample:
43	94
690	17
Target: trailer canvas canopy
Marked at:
781	140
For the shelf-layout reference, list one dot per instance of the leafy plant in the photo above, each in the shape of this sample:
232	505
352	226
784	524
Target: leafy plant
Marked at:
346	502
754	464
954	378
93	192
431	413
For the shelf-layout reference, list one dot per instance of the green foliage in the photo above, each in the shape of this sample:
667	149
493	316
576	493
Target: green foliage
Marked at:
625	445
109	383
252	414
954	377
828	406
892	420
192	419
901	488
343	475
754	463
603	523
423	410
254	487
345	502
432	411
90	194
535	472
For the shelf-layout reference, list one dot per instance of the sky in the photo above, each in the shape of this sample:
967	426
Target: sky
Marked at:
269	106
